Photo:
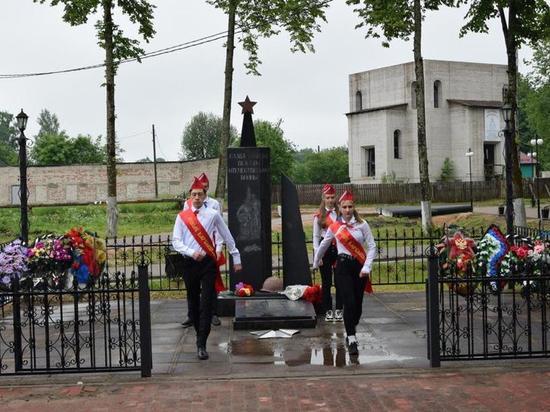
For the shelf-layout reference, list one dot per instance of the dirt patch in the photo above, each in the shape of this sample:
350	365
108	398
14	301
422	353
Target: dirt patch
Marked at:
450	219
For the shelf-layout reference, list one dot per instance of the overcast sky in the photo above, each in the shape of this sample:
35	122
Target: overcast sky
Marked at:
308	91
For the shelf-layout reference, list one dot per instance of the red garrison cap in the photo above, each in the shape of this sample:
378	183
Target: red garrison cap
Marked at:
347	195
328	189
197	184
204	179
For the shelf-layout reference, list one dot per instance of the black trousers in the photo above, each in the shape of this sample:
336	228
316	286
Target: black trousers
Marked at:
327	270
352	289
199	280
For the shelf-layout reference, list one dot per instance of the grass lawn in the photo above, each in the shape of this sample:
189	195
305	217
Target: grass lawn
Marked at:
158	217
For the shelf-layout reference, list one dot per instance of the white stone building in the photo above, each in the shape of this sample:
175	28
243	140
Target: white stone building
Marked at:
462	111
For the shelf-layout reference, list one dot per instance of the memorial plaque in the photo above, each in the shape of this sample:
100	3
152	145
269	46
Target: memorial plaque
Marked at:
249	212
295	262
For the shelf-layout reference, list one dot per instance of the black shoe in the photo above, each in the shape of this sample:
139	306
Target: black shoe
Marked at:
215	320
187	323
352	349
202	354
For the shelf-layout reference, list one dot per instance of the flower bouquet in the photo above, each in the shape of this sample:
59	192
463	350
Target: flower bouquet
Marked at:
456	257
89	255
313	294
13	263
49	258
243	289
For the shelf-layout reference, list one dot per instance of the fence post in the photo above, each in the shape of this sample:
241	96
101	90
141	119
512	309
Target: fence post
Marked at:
433	308
144	317
16	304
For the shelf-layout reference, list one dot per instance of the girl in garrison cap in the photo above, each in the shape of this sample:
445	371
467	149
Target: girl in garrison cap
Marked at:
353	264
325	216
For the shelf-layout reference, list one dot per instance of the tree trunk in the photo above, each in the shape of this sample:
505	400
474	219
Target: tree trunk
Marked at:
112	209
228	91
421	121
509	29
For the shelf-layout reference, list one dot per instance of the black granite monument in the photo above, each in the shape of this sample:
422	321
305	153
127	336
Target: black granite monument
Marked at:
249	204
295	262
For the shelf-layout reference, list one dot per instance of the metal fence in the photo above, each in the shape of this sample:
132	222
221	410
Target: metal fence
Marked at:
380	193
400	258
473	317
66	328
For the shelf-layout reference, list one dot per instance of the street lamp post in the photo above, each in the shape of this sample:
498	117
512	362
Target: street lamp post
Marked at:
469	155
23	192
506	114
536	143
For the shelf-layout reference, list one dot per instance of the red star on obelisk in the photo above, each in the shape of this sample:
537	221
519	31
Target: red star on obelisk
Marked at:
247	105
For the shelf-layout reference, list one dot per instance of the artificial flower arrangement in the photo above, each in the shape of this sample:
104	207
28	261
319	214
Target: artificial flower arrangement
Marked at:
313	294
53	261
89	255
493	257
243	289
13	263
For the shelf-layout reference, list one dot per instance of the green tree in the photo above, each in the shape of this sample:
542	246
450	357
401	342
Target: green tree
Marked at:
401	19
8	134
522	21
535	104
49	123
326	166
257	19
201	137
59	149
271	135
447	170
117	47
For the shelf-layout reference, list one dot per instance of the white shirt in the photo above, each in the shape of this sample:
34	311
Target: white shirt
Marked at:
361	232
210	203
318	231
184	242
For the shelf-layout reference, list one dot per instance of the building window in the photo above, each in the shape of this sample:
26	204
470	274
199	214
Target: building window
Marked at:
358	101
396	144
368	162
437	94
413	95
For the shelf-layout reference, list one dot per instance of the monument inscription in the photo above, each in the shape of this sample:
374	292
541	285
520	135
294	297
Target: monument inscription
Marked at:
249	204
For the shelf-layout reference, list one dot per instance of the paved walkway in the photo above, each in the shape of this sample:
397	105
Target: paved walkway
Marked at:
473	390
311	371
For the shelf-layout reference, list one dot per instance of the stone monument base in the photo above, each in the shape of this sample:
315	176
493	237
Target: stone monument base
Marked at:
273	314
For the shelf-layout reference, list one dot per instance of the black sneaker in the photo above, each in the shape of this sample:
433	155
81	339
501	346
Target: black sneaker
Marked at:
215	320
352	349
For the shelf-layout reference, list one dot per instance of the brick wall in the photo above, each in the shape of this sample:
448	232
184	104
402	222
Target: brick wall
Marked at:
88	183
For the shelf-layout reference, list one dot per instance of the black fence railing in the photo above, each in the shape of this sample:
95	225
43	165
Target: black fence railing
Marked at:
64	327
400	258
472	316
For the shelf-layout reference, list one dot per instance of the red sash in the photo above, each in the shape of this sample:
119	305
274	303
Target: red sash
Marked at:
205	242
189	203
352	245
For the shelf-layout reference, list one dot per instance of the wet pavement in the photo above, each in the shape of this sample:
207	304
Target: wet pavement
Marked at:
391	334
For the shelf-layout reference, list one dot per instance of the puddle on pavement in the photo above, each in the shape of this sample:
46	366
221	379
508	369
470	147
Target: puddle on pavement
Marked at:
327	349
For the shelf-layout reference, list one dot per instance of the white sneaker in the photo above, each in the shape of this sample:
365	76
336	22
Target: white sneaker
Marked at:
329	316
339	315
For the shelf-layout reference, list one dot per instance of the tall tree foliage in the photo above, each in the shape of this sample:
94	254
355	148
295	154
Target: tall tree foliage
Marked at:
117	46
401	19
8	134
281	150
254	20
201	137
328	165
522	21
